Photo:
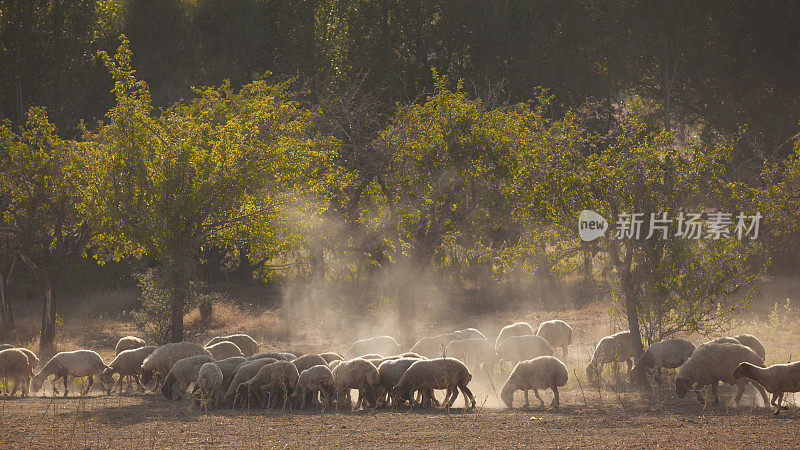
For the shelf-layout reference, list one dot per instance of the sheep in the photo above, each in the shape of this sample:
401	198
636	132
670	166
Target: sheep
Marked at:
331	356
751	341
384	345
209	382
183	373
6	346
244	372
557	333
430	374
79	363
473	352
273	355
669	353
389	374
611	349
159	363
515	329
715	362
128	343
470	333
228	366
14	365
271	377
538	373
33	360
315	379
434	346
307	361
357	373
777	379
246	344
224	349
128	364
523	348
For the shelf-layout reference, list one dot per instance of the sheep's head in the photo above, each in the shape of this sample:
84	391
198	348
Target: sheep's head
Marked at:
681	387
147	376
637	374
36	382
591	373
107	376
507	395
742	370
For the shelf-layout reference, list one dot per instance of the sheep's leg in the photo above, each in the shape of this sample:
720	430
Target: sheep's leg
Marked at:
629	362
66	390
467	395
555	402
89	384
455	396
714	386
118	385
526	405
541	402
760	390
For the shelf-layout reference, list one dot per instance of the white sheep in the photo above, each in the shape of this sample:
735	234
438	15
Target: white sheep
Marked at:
357	373
515	329
331	356
274	355
611	349
14	365
159	363
277	379
668	354
434	346
440	373
389	374
473	352
183	373
33	360
539	373
209	383
470	333
307	361
128	343
777	379
244	372
127	364
228	367
523	348
715	362
314	380
384	345
246	344
224	349
79	363
754	344
6	346
557	333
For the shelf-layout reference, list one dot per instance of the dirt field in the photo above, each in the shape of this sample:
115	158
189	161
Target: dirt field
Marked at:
152	422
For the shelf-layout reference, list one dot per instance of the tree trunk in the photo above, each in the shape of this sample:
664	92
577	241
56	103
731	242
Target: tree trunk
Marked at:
176	316
7	322
48	333
244	273
178	278
629	290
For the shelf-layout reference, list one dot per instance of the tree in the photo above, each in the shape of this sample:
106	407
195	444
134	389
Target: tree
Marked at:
167	184
41	217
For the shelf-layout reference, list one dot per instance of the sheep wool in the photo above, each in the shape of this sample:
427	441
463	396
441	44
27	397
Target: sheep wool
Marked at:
474	352
313	381
471	333
128	343
668	354
611	349
539	373
331	356
754	344
357	373
522	348
557	333
307	361
777	379
79	363
246	344
715	362
224	349
384	345
440	373
163	358
128	364
389	374
244	372
515	329
183	373
14	365
209	382
434	346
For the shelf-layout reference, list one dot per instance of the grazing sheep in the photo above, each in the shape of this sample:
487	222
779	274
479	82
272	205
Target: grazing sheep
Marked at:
523	348
515	329
557	333
228	367
273	355
128	364
80	363
754	344
332	365
384	345
209	382
313	381
611	349
669	354
331	356
183	373
777	379
538	373
33	360
389	374
159	363
244	372
473	352
434	346
715	362
128	343
6	346
430	374
307	361
274	378
223	350
357	373
470	333
246	344
14	365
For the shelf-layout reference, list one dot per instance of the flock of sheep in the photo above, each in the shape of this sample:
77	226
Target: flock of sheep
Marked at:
229	372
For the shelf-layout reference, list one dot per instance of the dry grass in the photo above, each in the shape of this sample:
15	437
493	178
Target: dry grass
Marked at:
268	326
